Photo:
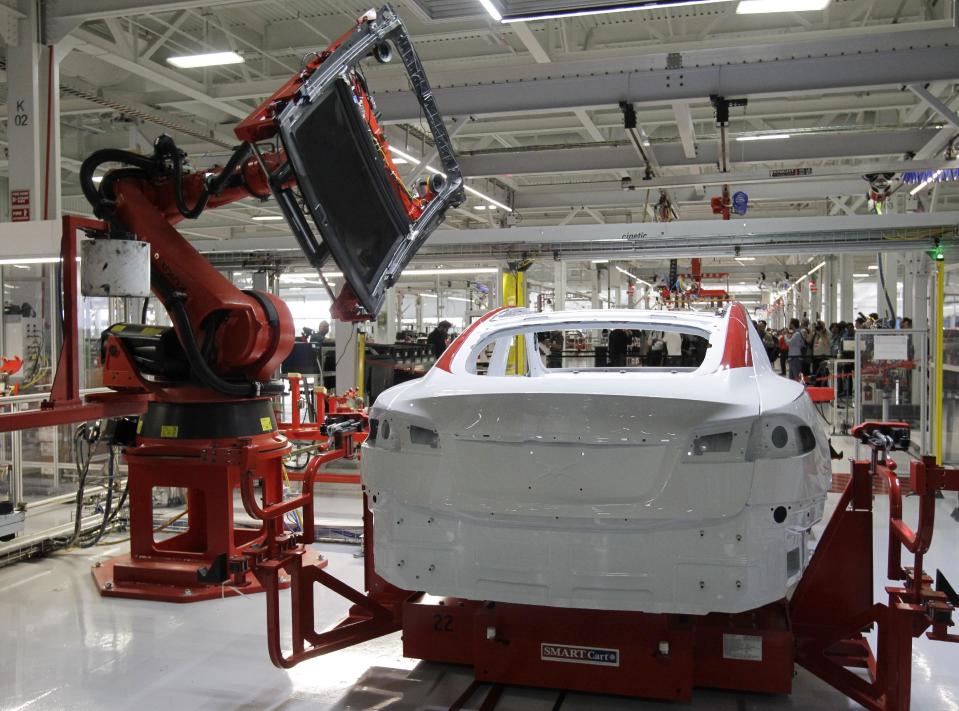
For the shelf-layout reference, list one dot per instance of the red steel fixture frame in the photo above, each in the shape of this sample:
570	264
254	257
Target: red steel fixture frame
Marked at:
822	627
297	430
65	405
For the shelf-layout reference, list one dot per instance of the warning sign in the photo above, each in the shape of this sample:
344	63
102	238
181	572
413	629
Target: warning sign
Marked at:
19	205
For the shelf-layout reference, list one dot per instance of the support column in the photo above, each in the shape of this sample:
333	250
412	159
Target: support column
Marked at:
890	269
816	299
921	296
347	351
33	123
24	120
419	314
596	287
830	300
391	310
615	287
559	286
908	284
846	308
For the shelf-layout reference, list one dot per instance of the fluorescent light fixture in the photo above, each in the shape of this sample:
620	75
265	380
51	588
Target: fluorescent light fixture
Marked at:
745	259
600	10
873	267
400	161
925	182
31	260
458	298
303	277
633	276
267	218
764	137
429	296
491	9
479	207
210	59
440	272
20	266
599	261
759	7
861	276
816	268
434	171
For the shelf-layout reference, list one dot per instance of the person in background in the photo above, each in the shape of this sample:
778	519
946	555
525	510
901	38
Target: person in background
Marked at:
618	343
821	352
674	348
438	338
906	323
782	348
321	332
796	343
769	341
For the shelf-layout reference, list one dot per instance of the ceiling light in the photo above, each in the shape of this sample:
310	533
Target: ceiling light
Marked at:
20	266
925	182
599	261
599	10
757	7
267	218
633	276
491	9
429	296
405	273
431	272
861	276
210	59
458	298
434	171
30	260
479	207
745	259
400	161
872	267
764	137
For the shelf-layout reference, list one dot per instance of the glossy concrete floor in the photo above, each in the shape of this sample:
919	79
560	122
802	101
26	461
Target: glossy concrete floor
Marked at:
62	646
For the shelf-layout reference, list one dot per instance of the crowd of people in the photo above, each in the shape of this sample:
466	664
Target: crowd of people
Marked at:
803	349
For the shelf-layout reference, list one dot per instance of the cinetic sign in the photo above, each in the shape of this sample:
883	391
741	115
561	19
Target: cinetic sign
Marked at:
598	656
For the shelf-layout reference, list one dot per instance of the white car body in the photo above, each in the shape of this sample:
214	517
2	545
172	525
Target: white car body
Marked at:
594	488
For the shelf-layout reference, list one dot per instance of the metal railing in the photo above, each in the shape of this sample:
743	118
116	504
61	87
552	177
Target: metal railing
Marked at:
13	463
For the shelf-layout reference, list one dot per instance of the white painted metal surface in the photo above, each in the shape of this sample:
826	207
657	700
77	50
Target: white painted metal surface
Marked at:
596	489
114	267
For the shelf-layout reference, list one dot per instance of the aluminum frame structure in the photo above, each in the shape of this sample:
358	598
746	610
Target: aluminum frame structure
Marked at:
895	377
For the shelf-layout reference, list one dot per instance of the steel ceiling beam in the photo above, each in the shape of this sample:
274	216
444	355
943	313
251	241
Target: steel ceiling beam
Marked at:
836	66
604	197
63	16
825	146
637	240
111	54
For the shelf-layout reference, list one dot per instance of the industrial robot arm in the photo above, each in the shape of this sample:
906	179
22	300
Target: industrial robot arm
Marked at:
335	165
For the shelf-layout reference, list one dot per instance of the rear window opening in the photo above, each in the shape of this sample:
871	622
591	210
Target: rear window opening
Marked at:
573	350
620	348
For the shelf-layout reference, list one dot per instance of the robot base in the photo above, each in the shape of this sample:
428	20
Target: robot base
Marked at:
628	653
173	580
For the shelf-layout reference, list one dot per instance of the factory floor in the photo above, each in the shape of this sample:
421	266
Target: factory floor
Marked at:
62	646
